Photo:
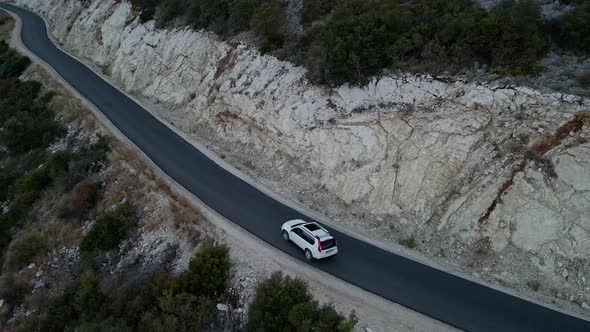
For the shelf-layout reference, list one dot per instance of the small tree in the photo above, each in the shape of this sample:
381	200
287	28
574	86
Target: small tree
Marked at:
207	273
269	23
179	312
109	230
284	304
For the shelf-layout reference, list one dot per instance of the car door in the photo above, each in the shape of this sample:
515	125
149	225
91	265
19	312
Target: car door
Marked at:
297	238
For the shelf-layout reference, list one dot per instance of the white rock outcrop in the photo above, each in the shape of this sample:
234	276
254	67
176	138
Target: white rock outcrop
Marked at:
439	153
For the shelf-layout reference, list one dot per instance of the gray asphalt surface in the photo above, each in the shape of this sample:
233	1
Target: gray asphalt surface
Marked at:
443	296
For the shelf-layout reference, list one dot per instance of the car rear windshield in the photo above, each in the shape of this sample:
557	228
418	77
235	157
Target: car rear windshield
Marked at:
329	243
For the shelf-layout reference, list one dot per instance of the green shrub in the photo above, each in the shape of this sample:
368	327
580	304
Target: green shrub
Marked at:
95	303
207	273
361	38
133	299
90	159
240	15
16	97
170	10
14	287
147	9
285	304
109	230
179	312
61	312
89	298
22	250
11	63
572	31
534	285
313	10
409	242
31	129
269	23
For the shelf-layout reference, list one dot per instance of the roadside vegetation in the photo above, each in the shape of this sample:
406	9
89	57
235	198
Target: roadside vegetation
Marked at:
350	41
285	304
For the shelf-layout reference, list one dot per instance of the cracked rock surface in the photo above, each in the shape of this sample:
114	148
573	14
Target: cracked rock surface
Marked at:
486	177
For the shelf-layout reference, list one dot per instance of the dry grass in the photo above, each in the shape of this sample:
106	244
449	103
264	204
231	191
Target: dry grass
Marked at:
65	234
83	197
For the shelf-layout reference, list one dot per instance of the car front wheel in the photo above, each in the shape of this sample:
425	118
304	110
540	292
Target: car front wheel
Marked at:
285	236
308	255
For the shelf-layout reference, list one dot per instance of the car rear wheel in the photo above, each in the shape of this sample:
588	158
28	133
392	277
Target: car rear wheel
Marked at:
308	255
285	236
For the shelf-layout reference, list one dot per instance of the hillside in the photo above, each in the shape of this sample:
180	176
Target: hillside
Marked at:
484	175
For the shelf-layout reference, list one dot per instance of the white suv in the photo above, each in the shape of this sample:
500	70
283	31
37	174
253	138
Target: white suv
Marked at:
312	238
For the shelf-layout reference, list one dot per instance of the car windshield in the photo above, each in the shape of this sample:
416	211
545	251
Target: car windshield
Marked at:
329	243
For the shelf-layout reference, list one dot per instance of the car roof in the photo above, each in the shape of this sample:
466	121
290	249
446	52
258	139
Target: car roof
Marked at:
316	230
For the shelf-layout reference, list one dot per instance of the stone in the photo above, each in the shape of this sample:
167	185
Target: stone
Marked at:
585	306
222	307
507	278
39	284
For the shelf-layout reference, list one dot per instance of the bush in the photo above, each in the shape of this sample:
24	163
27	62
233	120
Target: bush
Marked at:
34	126
572	31
14	287
179	312
269	23
16	97
109	230
534	285
240	15
313	10
409	242
82	199
145	304
147	9
22	250
89	299
284	304
12	64
207	273
361	38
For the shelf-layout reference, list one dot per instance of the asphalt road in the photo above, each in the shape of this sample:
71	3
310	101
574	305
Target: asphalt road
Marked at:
443	296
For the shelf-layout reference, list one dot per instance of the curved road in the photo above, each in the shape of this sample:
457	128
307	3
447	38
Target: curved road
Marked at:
456	301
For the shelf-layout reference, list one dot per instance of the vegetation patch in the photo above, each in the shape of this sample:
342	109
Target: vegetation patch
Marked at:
409	242
109	230
285	304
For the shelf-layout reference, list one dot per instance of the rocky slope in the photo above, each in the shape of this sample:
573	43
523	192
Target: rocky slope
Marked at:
495	178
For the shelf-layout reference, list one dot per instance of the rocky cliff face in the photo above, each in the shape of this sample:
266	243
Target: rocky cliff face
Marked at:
439	158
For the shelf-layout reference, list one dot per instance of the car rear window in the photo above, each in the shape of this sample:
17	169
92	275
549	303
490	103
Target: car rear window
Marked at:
329	243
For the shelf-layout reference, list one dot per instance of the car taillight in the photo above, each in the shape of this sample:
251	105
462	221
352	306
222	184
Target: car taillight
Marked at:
335	242
319	246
